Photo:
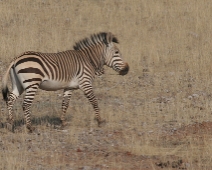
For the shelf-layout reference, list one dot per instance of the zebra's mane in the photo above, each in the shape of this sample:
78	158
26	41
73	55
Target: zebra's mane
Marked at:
95	39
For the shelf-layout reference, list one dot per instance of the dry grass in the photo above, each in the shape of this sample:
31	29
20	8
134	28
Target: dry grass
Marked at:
168	47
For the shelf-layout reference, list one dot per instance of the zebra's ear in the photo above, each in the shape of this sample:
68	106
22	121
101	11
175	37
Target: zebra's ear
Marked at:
111	38
115	40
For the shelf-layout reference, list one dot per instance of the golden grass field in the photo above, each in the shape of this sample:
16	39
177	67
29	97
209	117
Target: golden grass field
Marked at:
158	116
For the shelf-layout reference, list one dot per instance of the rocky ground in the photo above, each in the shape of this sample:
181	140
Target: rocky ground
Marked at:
95	149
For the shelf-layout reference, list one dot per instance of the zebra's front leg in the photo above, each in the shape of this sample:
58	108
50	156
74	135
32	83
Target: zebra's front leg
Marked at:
66	98
28	99
88	91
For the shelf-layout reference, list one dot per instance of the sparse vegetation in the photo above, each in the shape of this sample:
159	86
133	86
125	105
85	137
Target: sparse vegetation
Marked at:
158	116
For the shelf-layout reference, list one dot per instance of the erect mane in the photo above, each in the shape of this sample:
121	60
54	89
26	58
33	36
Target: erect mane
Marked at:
96	39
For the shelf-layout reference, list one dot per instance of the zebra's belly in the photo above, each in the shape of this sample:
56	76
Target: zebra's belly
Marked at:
52	85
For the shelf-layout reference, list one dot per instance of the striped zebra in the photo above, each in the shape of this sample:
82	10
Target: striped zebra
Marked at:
68	70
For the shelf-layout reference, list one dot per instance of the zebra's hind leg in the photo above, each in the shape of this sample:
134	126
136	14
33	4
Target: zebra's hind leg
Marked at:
17	90
11	100
66	98
88	91
28	99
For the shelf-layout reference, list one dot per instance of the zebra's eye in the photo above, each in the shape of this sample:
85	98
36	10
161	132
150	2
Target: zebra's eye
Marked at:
116	52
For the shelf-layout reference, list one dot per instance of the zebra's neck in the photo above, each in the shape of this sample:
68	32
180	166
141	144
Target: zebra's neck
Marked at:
96	57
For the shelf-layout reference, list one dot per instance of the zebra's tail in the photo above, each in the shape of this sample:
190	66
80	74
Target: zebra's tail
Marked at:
5	90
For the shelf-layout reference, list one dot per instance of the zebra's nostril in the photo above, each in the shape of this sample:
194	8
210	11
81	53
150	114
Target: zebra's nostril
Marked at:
125	70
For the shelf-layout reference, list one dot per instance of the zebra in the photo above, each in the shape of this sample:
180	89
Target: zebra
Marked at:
68	70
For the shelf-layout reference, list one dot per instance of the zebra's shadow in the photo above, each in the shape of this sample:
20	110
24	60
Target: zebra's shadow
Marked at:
44	120
52	120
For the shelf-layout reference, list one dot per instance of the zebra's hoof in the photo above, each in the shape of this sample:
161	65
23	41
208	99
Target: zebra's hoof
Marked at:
101	123
62	127
10	127
31	129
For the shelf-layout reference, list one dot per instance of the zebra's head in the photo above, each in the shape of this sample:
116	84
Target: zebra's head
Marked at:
101	50
113	57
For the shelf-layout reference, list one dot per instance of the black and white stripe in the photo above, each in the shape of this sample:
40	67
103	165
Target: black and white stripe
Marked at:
68	70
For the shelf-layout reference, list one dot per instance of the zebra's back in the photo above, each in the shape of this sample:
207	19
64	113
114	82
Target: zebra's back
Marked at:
56	70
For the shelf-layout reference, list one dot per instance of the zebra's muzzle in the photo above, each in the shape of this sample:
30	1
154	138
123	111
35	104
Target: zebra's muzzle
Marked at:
125	70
